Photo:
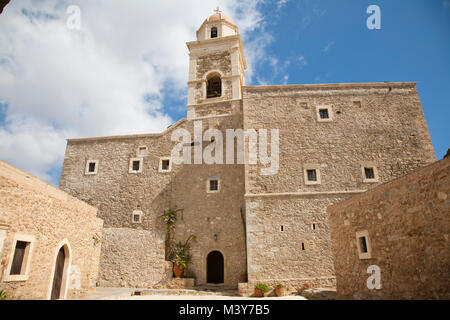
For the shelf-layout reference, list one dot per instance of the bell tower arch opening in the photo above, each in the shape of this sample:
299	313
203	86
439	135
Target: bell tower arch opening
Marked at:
213	85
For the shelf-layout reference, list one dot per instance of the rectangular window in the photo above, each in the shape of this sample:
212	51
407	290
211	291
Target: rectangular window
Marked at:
282	228
142	151
303	246
91	167
363	244
313	226
19	258
19	254
312	174
213	185
165	165
324	114
136	165
370	174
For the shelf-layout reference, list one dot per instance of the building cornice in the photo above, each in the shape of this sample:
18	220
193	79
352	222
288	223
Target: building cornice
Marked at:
302	194
336	86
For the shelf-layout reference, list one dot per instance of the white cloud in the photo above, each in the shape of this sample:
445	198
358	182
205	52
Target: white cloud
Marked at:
106	78
302	62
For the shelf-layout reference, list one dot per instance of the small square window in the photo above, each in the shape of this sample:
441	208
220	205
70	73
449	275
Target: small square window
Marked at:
137	216
135	165
323	113
142	151
213	185
165	164
91	167
312	174
370	173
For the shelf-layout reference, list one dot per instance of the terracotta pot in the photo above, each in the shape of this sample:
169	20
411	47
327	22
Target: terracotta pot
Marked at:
177	271
280	291
258	293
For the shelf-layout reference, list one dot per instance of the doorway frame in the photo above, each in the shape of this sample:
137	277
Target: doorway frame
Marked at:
67	265
205	268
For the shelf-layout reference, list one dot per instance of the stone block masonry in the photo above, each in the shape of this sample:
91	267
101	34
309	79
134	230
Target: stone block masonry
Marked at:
406	223
47	219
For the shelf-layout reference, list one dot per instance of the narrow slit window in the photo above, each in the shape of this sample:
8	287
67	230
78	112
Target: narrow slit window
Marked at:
213	32
303	246
282	228
313	226
363	245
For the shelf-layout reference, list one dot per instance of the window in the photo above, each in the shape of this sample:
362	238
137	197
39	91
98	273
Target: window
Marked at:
91	167
282	228
142	151
312	174
303	246
20	257
135	165
324	113
165	164
137	216
369	172
213	86
213	32
213	185
363	244
313	226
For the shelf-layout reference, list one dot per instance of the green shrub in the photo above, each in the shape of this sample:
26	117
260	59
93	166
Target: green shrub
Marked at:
280	285
3	295
262	286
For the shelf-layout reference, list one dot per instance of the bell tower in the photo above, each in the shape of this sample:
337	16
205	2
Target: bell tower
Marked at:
216	68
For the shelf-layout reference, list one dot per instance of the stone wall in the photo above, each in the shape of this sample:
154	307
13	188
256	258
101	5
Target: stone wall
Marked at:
31	207
378	124
133	258
117	193
408	225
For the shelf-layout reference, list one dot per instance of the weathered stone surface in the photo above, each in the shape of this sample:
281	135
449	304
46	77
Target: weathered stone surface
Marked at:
408	222
30	206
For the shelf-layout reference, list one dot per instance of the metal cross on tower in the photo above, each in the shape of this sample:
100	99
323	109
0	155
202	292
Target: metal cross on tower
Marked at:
217	10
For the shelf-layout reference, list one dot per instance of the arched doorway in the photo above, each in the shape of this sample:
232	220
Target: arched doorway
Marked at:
60	274
214	267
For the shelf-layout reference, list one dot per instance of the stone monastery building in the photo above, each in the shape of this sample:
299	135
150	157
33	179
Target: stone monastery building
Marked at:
335	141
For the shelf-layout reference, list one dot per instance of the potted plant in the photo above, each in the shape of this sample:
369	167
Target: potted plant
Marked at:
3	295
261	289
280	290
181	256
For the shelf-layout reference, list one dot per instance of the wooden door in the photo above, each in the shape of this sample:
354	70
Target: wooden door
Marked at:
59	273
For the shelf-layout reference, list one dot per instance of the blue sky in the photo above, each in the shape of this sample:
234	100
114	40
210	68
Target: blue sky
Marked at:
125	70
